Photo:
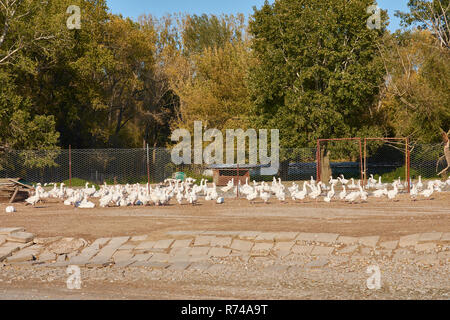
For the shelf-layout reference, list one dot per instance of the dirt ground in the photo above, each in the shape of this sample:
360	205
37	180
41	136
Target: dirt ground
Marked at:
390	220
378	216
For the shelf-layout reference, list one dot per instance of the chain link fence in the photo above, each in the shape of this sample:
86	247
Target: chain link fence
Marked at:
140	165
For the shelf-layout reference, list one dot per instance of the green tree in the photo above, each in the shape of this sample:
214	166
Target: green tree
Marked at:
319	71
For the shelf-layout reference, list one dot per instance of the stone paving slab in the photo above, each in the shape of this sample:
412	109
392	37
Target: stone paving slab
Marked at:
145	246
8	231
266	236
128	246
430	236
11	247
142	257
89	252
199	251
390	245
177	251
179	266
202	241
409	240
163	244
371	241
182	243
124	263
286	236
47	256
122	255
303	250
22	237
105	254
151	264
160	257
183	233
284	246
26	254
199	258
322	251
99	243
179	258
349	249
219	252
139	238
46	241
262	248
241	245
347	240
221	242
200	266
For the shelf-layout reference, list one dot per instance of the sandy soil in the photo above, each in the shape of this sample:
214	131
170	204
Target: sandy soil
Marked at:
389	220
379	217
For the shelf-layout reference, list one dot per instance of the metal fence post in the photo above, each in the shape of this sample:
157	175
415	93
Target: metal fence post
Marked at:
360	158
407	166
70	165
148	169
237	182
318	161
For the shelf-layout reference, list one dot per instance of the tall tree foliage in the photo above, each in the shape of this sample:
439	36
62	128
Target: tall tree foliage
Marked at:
319	72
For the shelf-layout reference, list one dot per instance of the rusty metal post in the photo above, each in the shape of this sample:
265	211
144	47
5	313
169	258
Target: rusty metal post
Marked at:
70	165
407	166
148	169
361	159
365	161
237	182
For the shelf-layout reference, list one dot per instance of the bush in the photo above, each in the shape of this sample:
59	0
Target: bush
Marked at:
399	172
77	182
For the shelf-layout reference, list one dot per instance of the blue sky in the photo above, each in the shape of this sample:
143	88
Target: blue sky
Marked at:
134	8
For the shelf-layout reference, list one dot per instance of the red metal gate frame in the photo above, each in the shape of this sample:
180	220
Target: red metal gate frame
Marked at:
407	159
338	139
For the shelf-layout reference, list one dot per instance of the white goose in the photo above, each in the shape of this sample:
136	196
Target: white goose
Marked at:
10	209
428	192
229	186
330	194
393	193
265	196
343	194
301	195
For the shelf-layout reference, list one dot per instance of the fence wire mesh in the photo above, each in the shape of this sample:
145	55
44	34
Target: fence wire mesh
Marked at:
124	166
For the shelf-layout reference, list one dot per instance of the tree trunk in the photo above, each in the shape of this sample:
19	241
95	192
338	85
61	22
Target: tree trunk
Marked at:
325	168
447	157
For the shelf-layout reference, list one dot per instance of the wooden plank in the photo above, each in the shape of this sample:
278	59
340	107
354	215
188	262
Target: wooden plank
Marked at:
14	195
21	184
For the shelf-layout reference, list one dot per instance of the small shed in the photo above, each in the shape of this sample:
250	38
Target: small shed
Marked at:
14	190
225	172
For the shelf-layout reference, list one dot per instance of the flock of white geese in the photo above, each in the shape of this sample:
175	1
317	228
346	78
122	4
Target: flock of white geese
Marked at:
189	192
